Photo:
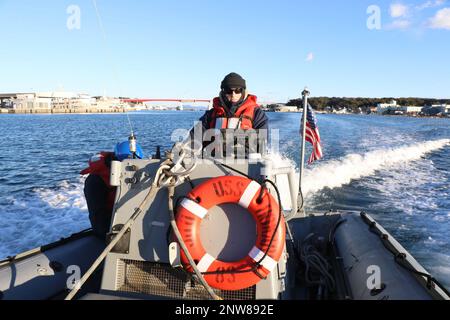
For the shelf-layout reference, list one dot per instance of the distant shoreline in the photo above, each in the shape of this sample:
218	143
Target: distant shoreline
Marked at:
365	114
77	111
4	111
62	111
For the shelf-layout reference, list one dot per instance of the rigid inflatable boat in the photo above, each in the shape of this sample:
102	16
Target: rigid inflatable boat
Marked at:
187	228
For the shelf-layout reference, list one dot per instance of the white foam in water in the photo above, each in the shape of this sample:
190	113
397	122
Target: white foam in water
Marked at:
67	196
335	173
46	216
280	161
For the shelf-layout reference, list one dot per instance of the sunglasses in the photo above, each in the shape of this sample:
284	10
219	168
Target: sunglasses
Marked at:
230	90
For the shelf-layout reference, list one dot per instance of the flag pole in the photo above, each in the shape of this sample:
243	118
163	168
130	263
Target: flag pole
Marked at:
305	95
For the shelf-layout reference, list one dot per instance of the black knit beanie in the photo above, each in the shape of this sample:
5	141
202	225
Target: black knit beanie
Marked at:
233	80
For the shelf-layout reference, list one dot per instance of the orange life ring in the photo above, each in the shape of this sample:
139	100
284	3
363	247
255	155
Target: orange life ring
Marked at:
269	225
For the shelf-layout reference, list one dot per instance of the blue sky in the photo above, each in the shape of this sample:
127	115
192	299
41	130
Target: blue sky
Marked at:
183	49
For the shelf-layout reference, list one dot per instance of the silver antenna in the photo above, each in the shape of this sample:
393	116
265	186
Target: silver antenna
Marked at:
129	122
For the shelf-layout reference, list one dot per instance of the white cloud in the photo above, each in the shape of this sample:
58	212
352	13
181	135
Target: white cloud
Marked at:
310	57
441	20
399	24
430	4
398	10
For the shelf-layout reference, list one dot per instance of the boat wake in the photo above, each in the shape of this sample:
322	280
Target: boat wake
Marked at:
41	216
66	195
335	173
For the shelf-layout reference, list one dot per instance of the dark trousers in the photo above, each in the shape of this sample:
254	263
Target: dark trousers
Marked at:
97	196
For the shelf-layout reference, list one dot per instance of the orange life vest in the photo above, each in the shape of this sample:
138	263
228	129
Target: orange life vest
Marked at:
242	119
98	166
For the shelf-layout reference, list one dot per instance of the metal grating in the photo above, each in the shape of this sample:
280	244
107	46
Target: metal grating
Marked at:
165	281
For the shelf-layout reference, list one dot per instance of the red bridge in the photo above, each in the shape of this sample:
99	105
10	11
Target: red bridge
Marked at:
165	100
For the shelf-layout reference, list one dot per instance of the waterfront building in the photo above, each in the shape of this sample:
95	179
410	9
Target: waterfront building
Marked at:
437	110
386	107
394	108
32	101
105	103
373	109
444	108
340	111
411	110
281	107
59	102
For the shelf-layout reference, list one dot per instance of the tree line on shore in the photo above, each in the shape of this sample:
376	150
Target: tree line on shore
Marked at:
363	104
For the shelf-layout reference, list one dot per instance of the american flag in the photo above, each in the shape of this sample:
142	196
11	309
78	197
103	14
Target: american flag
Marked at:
312	135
